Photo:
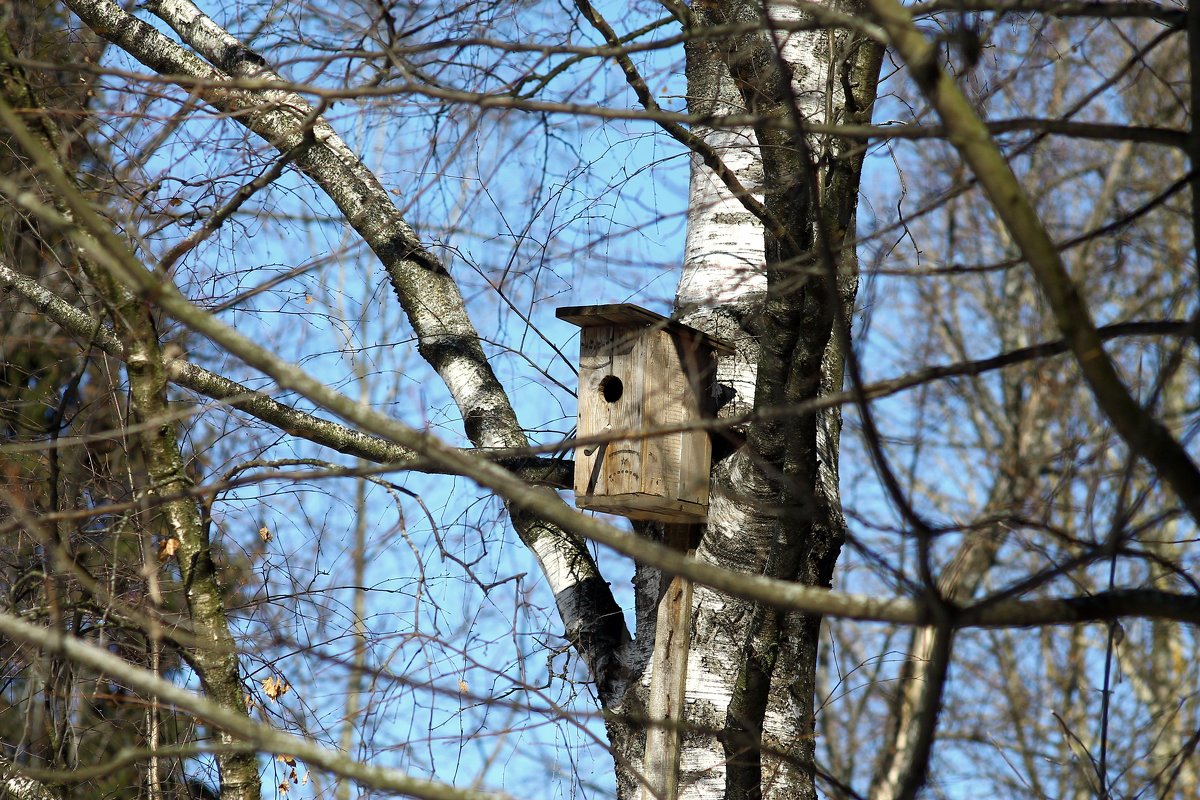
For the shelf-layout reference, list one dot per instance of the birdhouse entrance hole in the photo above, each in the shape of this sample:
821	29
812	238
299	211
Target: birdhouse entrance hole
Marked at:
612	388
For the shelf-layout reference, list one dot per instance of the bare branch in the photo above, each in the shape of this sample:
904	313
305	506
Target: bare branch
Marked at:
327	433
1137	426
1130	9
263	738
447	339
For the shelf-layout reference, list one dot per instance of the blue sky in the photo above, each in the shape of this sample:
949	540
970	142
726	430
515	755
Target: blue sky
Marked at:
549	210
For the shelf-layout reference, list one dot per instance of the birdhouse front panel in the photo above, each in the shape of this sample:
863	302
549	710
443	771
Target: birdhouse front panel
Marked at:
644	382
610	400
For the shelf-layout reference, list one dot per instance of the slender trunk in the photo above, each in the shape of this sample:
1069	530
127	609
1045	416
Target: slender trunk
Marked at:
215	661
358	666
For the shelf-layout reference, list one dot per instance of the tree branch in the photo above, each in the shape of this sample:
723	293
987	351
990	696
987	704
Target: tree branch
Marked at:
447	339
545	503
1145	435
1134	9
215	660
555	472
264	738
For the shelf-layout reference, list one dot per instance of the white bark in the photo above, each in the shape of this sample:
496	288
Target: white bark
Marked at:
723	259
359	194
723	282
16	786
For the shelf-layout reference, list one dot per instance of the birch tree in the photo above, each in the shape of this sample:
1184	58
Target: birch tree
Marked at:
258	186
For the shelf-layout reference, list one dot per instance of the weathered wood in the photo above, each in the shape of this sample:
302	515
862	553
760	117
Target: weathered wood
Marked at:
668	678
628	315
639	370
643	507
665	404
693	383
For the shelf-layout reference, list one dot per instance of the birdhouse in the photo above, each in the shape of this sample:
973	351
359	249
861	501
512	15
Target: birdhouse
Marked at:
641	373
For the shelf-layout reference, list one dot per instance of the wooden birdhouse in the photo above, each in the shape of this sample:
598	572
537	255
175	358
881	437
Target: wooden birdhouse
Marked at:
638	372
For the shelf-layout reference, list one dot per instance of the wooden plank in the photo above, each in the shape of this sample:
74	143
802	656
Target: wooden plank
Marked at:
609	357
595	357
668	679
618	314
645	507
666	404
697	403
626	457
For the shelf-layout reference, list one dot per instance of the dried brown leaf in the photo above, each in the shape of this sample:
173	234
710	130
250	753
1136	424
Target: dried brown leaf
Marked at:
275	688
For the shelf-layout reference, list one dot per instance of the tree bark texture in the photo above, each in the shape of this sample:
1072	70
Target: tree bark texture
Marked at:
778	291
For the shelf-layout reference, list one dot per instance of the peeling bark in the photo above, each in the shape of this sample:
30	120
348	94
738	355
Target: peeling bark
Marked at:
774	508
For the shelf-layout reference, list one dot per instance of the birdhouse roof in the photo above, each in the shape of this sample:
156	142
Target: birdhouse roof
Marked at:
630	315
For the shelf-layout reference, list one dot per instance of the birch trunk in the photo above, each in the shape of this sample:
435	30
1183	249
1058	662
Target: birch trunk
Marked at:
16	786
774	508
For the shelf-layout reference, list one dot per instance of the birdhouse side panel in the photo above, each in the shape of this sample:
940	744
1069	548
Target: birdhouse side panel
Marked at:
610	389
666	405
695	459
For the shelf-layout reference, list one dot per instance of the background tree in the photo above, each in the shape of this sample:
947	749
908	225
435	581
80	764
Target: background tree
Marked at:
265	173
64	564
1046	492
